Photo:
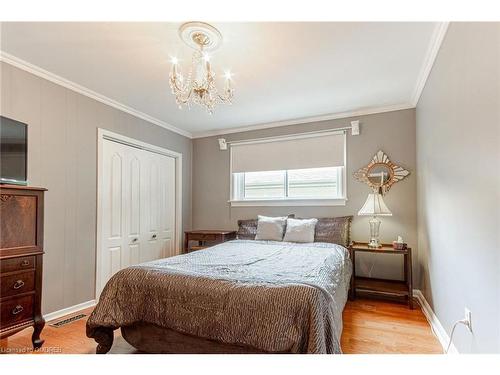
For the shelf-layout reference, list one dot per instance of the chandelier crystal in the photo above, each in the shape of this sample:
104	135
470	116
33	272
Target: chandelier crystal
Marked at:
199	86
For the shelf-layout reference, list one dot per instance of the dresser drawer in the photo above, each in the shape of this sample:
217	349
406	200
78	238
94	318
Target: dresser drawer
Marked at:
17	264
16	310
17	283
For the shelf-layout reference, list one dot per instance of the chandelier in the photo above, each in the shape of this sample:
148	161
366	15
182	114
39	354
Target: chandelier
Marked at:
199	86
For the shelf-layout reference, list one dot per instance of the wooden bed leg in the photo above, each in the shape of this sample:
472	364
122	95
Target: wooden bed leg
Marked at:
104	339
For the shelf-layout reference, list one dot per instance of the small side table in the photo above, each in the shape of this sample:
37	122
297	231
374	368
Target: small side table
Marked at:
382	287
206	238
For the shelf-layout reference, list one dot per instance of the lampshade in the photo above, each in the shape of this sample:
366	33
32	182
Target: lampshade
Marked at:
374	206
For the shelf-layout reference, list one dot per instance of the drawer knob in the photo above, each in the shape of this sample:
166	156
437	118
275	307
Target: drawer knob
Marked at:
18	284
153	236
25	263
17	310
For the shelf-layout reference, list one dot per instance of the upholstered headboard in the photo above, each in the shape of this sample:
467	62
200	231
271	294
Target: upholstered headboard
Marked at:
328	229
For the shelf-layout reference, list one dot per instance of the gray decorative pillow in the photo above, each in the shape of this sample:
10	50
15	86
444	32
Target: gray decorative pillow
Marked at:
247	229
270	228
300	230
334	230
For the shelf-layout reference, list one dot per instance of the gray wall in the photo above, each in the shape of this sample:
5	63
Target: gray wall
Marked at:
393	132
63	158
458	148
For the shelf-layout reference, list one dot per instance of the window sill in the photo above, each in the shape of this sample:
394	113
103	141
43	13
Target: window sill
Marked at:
288	202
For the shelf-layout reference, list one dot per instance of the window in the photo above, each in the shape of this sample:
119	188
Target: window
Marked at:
310	183
263	185
314	183
294	170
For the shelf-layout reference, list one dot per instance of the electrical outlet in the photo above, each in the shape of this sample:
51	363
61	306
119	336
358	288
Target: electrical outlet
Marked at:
468	319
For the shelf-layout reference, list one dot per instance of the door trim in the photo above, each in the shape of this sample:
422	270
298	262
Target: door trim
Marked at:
103	134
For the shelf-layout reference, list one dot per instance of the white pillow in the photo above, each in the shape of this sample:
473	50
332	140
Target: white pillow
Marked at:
300	230
270	228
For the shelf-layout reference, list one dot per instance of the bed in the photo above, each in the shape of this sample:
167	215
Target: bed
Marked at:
242	296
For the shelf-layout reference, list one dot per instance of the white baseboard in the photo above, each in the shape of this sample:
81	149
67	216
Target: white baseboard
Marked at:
68	310
436	326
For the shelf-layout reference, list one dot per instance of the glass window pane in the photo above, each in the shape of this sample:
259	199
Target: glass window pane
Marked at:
265	185
313	183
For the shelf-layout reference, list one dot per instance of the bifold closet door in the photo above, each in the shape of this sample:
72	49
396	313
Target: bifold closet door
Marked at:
158	199
138	207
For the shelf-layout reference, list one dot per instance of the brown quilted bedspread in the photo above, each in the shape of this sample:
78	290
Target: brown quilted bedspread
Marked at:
272	296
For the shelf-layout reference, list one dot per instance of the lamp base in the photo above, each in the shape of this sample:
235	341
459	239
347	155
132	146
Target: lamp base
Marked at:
374	233
374	244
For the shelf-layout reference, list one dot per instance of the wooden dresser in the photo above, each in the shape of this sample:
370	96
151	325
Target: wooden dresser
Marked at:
21	252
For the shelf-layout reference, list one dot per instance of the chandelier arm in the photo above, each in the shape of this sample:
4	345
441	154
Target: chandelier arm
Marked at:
174	83
183	99
181	94
225	98
188	96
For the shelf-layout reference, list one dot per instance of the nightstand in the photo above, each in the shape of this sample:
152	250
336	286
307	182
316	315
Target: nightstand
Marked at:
206	238
400	289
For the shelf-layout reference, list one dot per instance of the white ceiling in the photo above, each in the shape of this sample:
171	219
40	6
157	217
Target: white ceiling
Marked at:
282	71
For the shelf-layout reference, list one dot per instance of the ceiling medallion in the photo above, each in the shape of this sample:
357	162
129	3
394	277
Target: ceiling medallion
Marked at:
198	86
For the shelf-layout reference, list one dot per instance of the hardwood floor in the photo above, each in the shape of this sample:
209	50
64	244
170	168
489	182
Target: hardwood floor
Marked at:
370	326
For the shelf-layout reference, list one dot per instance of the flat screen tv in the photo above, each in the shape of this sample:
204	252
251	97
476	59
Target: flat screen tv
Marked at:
13	152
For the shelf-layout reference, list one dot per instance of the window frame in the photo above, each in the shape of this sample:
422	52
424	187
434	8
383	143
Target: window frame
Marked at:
238	185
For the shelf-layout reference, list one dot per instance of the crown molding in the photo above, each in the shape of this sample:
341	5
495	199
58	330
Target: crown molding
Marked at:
430	57
42	73
305	120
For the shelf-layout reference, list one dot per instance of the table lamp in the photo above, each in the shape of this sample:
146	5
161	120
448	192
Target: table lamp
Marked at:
374	206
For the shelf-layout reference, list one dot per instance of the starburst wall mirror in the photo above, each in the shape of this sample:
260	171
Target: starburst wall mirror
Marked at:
381	173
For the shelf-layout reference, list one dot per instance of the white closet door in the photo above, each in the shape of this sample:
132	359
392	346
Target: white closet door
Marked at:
138	207
159	200
167	206
134	208
113	210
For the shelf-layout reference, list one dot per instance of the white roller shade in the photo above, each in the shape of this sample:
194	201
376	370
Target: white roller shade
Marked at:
316	151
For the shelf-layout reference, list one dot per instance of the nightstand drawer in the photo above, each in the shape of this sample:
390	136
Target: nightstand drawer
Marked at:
204	237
